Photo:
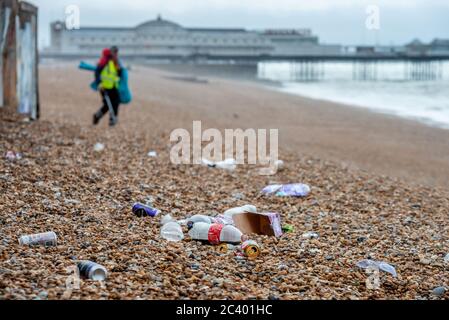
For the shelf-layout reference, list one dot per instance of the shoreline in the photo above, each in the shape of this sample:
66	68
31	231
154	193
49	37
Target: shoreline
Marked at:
210	71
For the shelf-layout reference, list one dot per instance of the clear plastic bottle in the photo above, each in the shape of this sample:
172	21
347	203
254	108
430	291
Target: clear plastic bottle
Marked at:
166	219
172	231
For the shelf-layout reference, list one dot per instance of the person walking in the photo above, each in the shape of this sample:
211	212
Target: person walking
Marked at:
107	76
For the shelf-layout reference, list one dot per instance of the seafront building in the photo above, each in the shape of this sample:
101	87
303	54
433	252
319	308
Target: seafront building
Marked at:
164	39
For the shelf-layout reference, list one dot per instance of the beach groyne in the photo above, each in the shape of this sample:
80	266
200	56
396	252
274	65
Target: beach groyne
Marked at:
18	57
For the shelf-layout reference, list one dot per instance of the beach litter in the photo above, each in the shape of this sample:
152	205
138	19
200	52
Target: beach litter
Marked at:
268	224
142	210
288	228
238	210
279	165
380	265
288	190
172	231
199	218
250	249
446	259
93	271
99	147
228	164
152	154
225	248
310	235
12	156
215	233
47	239
166	219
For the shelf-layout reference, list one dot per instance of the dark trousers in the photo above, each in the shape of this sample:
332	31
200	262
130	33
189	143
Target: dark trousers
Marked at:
114	97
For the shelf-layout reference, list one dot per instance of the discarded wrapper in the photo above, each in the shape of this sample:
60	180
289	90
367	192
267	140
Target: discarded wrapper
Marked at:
288	228
288	190
11	156
259	223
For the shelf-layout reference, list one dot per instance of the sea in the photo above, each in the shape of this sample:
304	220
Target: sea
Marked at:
391	90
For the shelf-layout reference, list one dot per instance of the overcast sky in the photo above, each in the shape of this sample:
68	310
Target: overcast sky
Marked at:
334	21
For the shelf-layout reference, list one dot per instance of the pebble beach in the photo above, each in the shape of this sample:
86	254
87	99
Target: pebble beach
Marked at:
358	208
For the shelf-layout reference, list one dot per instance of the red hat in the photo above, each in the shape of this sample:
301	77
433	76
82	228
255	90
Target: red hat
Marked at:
106	55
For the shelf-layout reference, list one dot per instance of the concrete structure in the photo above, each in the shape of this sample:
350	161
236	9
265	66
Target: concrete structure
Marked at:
162	39
18	57
438	47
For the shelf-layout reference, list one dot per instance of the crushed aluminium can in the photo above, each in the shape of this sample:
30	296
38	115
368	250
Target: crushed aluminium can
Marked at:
47	239
142	210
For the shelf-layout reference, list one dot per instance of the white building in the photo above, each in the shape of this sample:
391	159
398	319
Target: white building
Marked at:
164	40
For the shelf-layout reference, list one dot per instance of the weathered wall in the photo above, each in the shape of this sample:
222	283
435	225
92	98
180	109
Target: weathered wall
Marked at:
19	57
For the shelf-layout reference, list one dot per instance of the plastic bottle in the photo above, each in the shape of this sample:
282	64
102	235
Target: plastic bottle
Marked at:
166	219
199	218
215	233
172	231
